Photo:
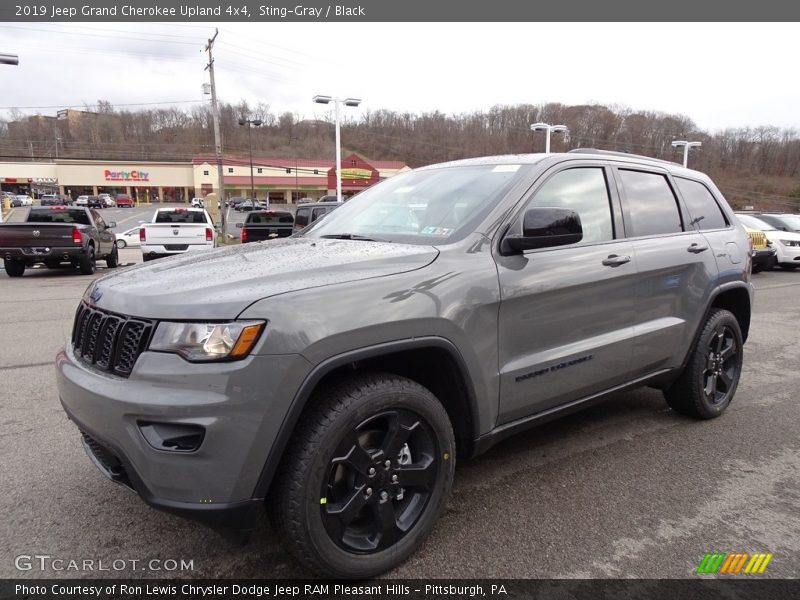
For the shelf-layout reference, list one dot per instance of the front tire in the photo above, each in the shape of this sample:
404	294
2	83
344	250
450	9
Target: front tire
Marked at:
708	383
112	260
366	476
88	262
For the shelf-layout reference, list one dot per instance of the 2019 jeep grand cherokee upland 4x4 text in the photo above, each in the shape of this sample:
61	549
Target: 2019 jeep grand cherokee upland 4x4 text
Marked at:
463	302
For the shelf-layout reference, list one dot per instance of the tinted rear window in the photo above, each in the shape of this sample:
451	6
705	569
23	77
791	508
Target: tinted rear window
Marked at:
703	208
270	219
180	216
652	206
59	216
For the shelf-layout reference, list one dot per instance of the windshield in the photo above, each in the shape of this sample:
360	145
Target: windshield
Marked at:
754	223
791	221
431	206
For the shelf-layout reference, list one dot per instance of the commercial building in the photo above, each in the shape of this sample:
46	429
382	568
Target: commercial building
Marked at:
282	180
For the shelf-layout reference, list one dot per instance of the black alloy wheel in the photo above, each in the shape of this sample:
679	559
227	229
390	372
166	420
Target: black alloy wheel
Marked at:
379	481
721	366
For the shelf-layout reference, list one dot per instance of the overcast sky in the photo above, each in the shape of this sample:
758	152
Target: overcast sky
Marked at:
719	75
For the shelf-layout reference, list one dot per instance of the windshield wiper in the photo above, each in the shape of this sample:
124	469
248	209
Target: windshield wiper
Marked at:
352	236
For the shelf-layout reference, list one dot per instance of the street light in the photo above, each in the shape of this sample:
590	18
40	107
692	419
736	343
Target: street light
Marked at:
250	124
336	103
686	146
549	129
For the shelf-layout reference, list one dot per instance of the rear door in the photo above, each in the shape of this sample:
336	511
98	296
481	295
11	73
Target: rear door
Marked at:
676	268
566	316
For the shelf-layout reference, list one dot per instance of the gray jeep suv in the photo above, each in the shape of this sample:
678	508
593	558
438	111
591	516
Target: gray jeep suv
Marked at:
463	302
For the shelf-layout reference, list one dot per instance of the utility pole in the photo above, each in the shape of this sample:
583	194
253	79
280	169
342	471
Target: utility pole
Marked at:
217	137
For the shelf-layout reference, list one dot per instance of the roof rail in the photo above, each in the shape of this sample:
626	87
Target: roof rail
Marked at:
616	153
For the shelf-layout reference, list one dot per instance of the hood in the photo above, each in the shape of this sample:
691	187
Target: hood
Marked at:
220	284
773	235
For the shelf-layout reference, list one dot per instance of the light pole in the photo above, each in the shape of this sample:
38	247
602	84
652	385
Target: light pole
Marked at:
686	146
250	124
294	138
336	103
546	127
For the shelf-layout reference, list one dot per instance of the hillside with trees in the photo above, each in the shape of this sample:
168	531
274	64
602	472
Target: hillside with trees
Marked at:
757	166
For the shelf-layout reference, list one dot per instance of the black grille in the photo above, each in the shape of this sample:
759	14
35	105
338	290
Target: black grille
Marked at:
176	247
110	342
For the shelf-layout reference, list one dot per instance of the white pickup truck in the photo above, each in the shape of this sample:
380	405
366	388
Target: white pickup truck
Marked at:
176	231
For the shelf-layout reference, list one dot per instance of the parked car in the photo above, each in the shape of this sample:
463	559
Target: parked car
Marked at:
176	231
329	199
263	225
54	200
22	200
197	203
233	202
55	235
763	251
784	222
308	213
305	201
124	201
128	238
107	201
81	201
529	286
94	202
786	243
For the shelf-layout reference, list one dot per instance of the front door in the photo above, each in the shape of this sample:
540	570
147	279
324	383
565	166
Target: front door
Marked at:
566	315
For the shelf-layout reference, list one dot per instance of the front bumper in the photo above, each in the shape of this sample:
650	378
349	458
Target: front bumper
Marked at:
238	405
763	257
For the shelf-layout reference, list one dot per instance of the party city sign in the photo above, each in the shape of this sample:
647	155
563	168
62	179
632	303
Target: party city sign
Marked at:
133	175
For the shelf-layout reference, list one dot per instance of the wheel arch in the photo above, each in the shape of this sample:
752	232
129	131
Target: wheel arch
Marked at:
434	362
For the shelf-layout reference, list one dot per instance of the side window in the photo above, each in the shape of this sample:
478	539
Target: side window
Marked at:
301	219
703	208
98	220
585	191
651	203
318	212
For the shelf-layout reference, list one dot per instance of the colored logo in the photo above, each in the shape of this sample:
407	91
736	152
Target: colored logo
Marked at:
126	175
734	563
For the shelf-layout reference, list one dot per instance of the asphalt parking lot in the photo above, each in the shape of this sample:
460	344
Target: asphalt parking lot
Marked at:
625	489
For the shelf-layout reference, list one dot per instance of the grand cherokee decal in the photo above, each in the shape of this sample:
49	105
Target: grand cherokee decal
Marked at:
553	368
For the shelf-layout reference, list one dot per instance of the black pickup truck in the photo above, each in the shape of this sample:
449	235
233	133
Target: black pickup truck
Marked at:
58	234
263	225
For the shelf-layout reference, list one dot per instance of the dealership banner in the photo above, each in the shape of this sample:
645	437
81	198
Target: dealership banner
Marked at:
408	589
399	10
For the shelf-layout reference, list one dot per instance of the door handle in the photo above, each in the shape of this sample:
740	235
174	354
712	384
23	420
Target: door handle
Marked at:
697	248
615	260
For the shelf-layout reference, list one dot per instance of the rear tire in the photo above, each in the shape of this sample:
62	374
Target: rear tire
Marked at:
121	244
14	268
708	383
339	507
88	262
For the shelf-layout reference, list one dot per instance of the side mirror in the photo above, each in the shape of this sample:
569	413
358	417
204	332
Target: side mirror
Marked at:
111	225
546	227
239	225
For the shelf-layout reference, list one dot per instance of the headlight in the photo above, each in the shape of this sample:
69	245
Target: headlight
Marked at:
790	242
207	341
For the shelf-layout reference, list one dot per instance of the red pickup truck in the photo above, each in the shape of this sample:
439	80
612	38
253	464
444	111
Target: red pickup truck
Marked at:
124	201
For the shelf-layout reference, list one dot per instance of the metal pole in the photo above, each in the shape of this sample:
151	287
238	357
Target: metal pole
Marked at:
250	140
686	155
217	136
338	154
547	140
